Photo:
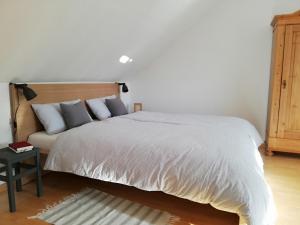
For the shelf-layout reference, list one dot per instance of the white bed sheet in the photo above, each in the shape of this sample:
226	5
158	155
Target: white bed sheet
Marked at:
206	159
43	140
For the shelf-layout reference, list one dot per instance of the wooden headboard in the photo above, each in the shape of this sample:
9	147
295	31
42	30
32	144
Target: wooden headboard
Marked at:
26	120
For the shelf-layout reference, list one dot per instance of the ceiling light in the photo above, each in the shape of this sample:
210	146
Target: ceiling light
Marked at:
125	59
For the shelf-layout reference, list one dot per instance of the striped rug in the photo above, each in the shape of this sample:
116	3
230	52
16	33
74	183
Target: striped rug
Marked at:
92	206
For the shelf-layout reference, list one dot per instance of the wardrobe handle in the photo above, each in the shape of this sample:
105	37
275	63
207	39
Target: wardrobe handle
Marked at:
284	84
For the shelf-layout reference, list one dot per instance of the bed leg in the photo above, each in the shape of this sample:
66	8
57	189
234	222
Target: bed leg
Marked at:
269	152
264	149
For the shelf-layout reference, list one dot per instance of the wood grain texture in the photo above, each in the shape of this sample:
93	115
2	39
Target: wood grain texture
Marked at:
285	78
283	125
282	172
289	114
283	145
27	122
275	81
285	19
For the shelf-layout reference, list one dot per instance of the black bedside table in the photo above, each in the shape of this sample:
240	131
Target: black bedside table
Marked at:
12	160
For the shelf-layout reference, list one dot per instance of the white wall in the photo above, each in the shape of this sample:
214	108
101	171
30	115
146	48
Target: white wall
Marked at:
219	66
75	40
285	6
5	131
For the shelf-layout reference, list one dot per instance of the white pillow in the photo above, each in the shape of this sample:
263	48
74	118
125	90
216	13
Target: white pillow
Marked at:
51	117
99	108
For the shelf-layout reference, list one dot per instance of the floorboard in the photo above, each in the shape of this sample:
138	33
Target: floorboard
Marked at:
282	172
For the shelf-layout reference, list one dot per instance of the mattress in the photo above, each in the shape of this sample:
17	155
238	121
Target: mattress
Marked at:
43	140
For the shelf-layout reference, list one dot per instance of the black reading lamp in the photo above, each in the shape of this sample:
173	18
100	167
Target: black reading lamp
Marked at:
124	87
28	93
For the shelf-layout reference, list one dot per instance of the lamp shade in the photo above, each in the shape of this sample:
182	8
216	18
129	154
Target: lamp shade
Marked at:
28	93
124	88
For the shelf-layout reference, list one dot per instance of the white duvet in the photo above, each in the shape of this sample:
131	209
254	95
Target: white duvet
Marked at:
206	159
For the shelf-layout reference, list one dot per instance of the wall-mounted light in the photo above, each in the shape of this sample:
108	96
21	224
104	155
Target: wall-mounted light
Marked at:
124	87
125	59
28	93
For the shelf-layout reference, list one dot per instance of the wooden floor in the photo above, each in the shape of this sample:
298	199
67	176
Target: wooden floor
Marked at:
282	173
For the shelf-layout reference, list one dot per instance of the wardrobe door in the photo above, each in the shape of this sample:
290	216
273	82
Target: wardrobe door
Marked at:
289	113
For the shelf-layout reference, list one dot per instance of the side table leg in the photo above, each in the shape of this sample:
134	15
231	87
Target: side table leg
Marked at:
39	186
19	181
10	188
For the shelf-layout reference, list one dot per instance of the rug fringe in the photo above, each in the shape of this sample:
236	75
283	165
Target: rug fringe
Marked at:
49	207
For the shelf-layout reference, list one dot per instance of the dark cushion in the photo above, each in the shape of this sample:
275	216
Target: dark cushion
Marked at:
116	107
75	114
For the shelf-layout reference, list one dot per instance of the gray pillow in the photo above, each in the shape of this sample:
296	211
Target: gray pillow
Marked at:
75	114
116	107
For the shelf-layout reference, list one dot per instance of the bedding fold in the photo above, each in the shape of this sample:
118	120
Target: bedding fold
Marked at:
206	159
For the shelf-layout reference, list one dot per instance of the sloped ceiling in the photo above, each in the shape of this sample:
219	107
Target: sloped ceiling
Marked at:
76	40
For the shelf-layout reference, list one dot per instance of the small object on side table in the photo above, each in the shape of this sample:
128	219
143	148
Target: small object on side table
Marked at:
21	146
12	160
138	107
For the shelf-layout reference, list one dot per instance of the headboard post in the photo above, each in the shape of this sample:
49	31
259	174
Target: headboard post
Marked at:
13	109
24	120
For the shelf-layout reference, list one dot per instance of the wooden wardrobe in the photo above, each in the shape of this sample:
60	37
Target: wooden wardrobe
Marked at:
283	129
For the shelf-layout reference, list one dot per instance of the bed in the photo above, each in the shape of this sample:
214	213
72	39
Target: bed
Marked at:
205	159
43	140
